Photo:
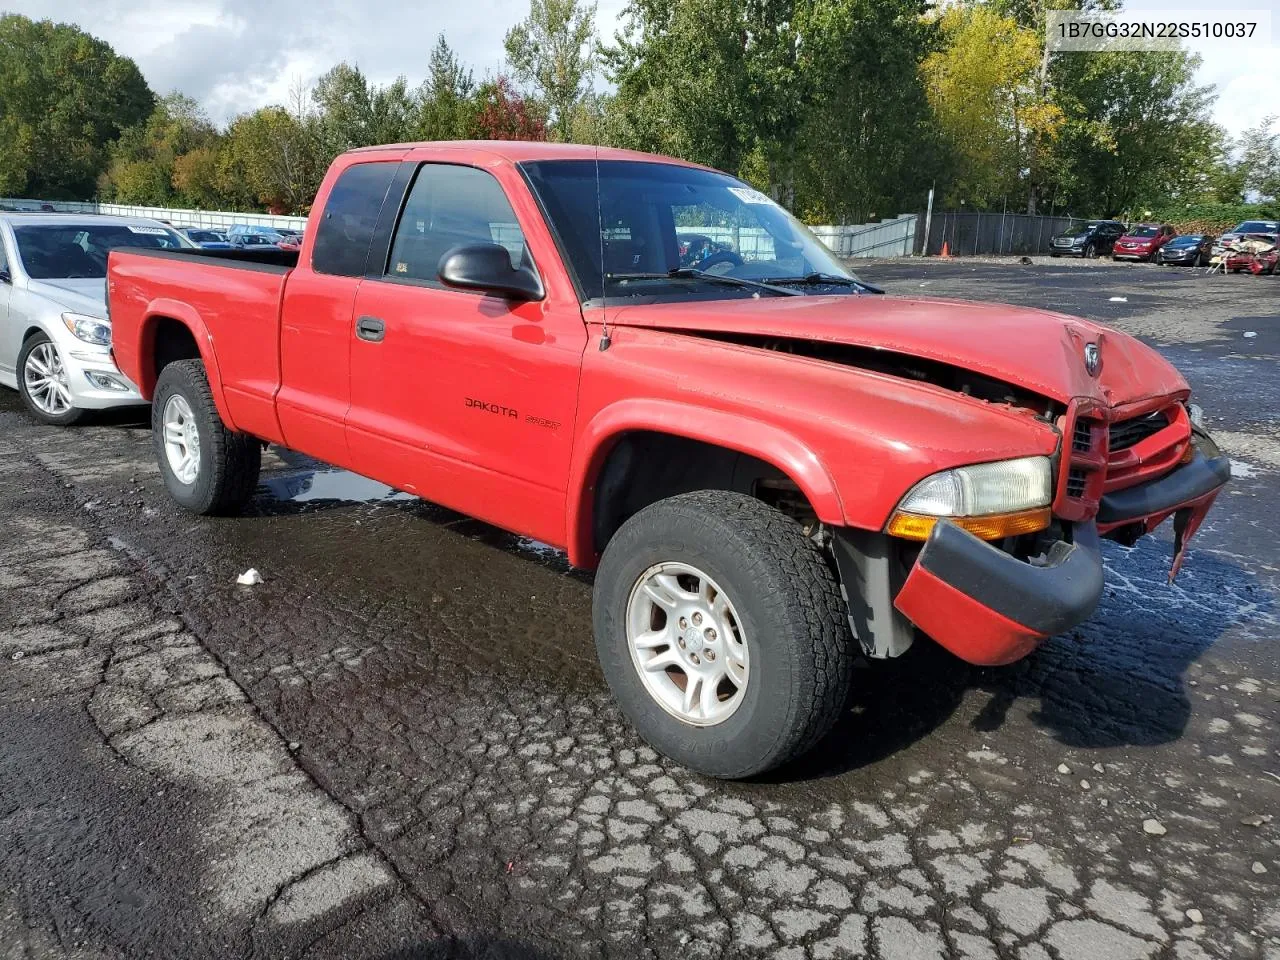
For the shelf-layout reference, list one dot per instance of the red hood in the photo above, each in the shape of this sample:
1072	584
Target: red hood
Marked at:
1034	349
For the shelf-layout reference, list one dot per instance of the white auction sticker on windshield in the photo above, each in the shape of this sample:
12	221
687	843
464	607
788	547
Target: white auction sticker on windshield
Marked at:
750	195
150	231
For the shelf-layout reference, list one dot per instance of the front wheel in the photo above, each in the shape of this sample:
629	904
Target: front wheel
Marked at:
206	467
43	383
722	633
1089	252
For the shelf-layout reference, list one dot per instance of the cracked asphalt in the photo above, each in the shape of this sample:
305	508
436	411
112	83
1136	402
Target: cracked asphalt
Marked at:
399	744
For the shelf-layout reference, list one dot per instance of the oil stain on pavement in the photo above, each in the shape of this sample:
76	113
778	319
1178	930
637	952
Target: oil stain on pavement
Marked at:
399	744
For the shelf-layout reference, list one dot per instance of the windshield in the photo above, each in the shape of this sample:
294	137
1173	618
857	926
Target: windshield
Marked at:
660	218
206	236
65	251
1144	231
1186	240
1256	226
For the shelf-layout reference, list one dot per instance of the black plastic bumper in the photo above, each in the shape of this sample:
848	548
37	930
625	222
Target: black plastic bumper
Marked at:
1047	598
1200	477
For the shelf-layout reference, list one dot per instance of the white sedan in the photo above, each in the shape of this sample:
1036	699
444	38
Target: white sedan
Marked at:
55	336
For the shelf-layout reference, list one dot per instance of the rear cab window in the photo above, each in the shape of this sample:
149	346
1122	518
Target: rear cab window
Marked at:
350	216
449	205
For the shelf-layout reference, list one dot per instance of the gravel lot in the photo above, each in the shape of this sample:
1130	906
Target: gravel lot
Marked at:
399	744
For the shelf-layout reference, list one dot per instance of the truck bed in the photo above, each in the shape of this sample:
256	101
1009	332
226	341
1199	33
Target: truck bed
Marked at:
222	296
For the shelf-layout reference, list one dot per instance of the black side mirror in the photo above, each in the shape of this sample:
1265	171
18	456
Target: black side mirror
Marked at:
487	267
5	276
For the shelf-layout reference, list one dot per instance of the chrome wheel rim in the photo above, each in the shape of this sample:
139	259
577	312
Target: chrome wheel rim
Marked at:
45	379
687	644
181	439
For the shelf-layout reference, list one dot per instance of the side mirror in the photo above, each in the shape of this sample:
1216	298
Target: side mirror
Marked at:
487	267
5	276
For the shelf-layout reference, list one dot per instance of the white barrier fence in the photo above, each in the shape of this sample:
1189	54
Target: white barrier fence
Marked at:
888	238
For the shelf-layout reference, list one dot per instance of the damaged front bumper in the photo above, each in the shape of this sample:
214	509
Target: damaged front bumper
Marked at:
990	608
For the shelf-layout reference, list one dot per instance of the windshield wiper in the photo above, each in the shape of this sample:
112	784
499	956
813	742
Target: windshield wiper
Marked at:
692	273
825	280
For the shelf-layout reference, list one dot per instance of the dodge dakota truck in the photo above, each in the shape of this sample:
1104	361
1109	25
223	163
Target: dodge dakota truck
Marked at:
772	467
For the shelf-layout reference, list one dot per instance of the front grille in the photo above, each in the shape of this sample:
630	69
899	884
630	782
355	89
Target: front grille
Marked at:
1076	483
1082	436
1126	433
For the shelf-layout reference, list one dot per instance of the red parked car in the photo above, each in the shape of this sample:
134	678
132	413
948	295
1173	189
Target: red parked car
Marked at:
771	468
1142	242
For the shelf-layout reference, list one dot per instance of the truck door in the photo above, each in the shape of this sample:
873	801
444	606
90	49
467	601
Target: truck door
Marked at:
315	317
464	398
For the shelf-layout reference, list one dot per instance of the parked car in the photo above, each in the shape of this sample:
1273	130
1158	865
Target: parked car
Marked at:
55	335
208	239
1142	241
1094	239
256	235
1188	249
1264	227
735	444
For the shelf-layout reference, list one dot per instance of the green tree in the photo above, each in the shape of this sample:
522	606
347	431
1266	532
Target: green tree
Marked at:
270	159
352	112
680	68
64	96
1133	123
817	102
868	145
553	53
142	162
446	107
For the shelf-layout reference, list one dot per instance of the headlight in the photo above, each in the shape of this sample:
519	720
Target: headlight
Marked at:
990	500
88	329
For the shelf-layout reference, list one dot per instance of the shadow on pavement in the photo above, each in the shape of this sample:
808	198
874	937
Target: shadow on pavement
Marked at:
1117	680
471	948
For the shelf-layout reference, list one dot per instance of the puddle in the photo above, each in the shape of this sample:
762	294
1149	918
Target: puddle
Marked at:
330	486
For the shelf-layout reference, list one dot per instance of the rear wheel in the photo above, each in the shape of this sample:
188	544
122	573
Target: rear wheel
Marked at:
206	467
43	383
722	633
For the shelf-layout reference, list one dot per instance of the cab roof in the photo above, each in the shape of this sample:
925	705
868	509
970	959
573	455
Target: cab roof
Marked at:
517	151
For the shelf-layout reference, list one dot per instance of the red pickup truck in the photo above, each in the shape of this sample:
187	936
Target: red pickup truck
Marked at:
772	467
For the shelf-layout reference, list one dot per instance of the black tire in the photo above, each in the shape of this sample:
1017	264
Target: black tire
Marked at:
72	416
229	462
789	607
1089	252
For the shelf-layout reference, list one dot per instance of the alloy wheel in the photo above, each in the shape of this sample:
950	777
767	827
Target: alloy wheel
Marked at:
181	439
45	379
687	643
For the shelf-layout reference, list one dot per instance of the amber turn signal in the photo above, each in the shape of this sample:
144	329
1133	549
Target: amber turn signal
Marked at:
993	526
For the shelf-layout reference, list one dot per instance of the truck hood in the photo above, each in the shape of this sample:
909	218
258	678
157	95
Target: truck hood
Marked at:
80	296
1036	350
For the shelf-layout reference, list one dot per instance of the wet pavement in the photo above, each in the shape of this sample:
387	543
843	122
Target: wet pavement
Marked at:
399	744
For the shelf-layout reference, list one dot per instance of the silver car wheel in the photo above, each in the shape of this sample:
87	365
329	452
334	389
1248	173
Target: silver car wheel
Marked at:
181	439
687	644
45	379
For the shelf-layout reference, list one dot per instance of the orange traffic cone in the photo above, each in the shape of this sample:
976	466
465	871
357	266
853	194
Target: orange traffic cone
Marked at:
946	251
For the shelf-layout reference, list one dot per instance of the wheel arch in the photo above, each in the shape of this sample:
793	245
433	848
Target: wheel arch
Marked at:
713	431
169	330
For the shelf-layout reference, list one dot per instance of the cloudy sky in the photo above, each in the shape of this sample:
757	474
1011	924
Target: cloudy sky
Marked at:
236	55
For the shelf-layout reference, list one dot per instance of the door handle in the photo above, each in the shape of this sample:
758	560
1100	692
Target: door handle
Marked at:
371	329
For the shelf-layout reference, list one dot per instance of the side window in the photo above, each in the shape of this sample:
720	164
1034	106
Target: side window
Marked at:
4	262
350	214
449	205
